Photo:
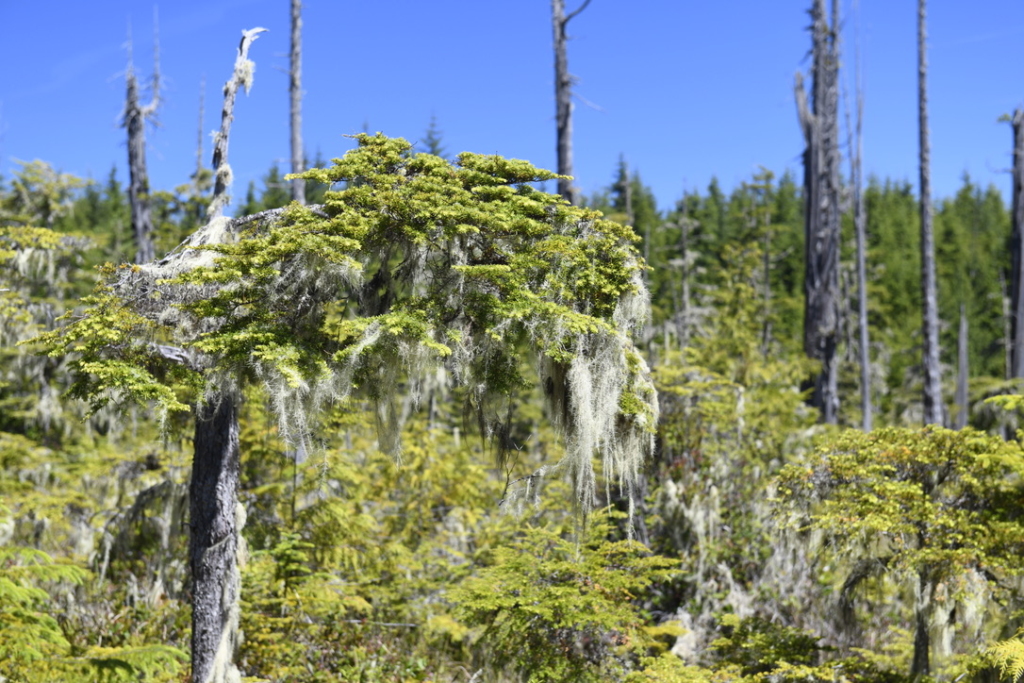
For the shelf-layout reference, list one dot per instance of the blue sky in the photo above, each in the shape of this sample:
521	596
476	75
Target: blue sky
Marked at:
685	90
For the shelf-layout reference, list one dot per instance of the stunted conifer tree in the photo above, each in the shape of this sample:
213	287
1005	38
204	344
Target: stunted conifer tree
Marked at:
417	263
820	124
933	407
135	117
563	99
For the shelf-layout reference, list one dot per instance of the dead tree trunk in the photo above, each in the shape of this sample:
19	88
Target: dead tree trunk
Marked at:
962	371
135	116
295	91
217	517
929	288
1016	349
216	521
860	227
241	76
563	100
820	124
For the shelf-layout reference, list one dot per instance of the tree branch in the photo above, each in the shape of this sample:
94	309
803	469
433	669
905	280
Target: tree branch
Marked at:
573	14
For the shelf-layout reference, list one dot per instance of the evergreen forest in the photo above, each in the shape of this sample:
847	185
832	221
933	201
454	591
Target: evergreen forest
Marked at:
411	416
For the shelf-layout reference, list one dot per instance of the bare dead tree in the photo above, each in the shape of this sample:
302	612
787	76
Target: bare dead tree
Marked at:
563	99
295	92
930	328
199	134
134	120
241	76
1016	347
820	124
860	228
216	515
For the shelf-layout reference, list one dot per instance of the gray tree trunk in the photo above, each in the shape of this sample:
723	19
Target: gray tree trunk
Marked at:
1016	348
216	520
200	130
563	100
860	227
820	124
295	92
135	115
962	371
241	77
933	407
920	666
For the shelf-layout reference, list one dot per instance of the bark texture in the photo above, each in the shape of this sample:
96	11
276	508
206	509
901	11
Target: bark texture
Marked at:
216	521
933	407
241	77
820	124
563	99
921	664
1016	354
295	93
135	116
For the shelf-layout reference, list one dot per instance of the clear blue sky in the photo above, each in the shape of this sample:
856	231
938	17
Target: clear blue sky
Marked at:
685	90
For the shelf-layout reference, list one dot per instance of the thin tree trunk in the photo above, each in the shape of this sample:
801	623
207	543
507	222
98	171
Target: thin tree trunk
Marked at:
216	521
820	124
1016	348
685	225
135	115
860	226
241	76
295	91
563	100
962	371
921	664
200	135
930	332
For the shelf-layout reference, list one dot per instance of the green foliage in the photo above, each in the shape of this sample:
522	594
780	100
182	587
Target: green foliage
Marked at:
758	646
557	609
933	508
934	500
1010	656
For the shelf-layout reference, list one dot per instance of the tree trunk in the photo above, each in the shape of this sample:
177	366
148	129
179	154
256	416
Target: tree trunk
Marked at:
821	221
135	115
1016	349
860	227
933	407
216	521
563	100
241	76
295	91
921	664
962	371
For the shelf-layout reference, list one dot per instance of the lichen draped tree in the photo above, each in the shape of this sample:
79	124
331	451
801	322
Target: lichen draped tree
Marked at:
416	263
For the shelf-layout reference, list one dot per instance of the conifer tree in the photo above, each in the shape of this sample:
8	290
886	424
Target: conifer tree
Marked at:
417	263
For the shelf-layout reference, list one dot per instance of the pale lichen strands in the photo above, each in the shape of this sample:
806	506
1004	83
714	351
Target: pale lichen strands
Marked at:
240	77
420	263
